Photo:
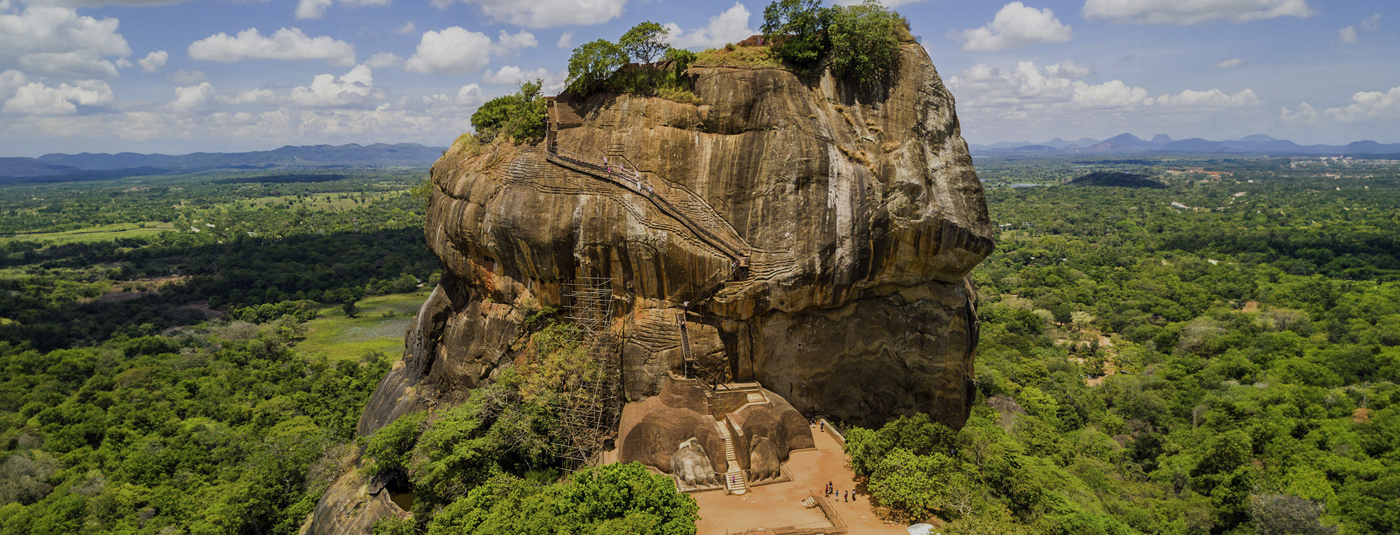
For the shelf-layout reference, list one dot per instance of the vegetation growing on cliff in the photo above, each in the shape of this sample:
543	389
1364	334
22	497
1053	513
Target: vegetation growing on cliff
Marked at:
602	65
1219	379
521	115
860	41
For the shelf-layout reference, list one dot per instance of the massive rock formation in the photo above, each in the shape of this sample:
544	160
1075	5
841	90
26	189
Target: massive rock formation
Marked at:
814	237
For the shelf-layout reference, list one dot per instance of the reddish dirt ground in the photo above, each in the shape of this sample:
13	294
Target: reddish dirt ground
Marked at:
780	504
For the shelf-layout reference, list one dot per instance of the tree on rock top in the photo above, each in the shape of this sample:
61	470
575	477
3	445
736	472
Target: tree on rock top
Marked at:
592	64
645	42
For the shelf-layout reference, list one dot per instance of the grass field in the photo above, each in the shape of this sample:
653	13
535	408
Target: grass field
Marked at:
379	326
94	234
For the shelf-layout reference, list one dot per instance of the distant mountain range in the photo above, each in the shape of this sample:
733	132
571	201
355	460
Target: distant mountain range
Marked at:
88	166
1162	144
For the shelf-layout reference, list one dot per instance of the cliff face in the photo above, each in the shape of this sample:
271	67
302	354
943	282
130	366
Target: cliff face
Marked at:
815	239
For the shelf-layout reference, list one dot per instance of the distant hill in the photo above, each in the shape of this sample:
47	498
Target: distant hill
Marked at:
88	166
1161	144
1117	180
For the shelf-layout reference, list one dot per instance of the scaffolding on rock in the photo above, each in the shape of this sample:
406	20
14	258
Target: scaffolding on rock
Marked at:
591	400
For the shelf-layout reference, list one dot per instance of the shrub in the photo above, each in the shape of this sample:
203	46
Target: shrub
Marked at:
520	115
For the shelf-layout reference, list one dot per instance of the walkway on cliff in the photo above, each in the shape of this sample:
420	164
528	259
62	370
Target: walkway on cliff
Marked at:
674	200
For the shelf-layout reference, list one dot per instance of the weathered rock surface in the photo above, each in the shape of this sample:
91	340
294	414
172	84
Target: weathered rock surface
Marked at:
859	215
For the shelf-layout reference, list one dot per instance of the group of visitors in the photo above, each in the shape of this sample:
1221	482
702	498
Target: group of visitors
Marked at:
845	496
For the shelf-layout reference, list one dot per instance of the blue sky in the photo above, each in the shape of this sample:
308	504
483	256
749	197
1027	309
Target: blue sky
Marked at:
175	76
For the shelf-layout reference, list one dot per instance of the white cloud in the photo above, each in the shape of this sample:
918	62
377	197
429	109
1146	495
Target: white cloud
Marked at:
510	74
728	27
1305	115
407	27
313	9
886	3
566	40
328	90
1368	105
184	77
252	96
1186	12
1210	98
1031	88
1351	34
10	81
1347	34
286	43
510	43
451	51
123	63
35	98
100	3
383	59
470	95
57	42
1230	63
154	61
1371	23
545	13
1015	25
193	98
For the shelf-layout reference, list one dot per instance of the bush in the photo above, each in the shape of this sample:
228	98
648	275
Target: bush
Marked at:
520	115
391	445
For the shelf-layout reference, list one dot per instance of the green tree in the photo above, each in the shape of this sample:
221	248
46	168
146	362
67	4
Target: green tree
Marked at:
592	64
799	28
350	309
645	42
865	42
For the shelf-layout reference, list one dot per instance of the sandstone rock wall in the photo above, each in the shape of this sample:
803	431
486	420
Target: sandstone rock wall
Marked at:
859	213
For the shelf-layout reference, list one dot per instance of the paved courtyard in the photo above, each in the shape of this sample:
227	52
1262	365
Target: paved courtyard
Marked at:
780	504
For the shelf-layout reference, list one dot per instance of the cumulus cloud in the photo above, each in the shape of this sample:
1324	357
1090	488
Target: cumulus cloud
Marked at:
36	98
383	59
1368	105
154	61
286	43
184	77
454	50
730	26
123	63
329	90
57	42
566	40
252	96
1029	87
407	27
1305	114
470	95
510	74
193	98
1189	12
1347	35
510	43
1351	34
313	9
545	13
1015	25
1230	63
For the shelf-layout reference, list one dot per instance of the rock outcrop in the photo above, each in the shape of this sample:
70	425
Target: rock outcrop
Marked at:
800	233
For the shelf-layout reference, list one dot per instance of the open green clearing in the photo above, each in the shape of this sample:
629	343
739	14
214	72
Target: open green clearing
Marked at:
95	233
378	327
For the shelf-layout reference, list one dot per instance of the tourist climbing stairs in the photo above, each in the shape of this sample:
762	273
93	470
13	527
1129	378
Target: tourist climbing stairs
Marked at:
734	480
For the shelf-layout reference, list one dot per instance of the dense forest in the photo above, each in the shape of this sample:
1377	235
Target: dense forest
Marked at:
1224	364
